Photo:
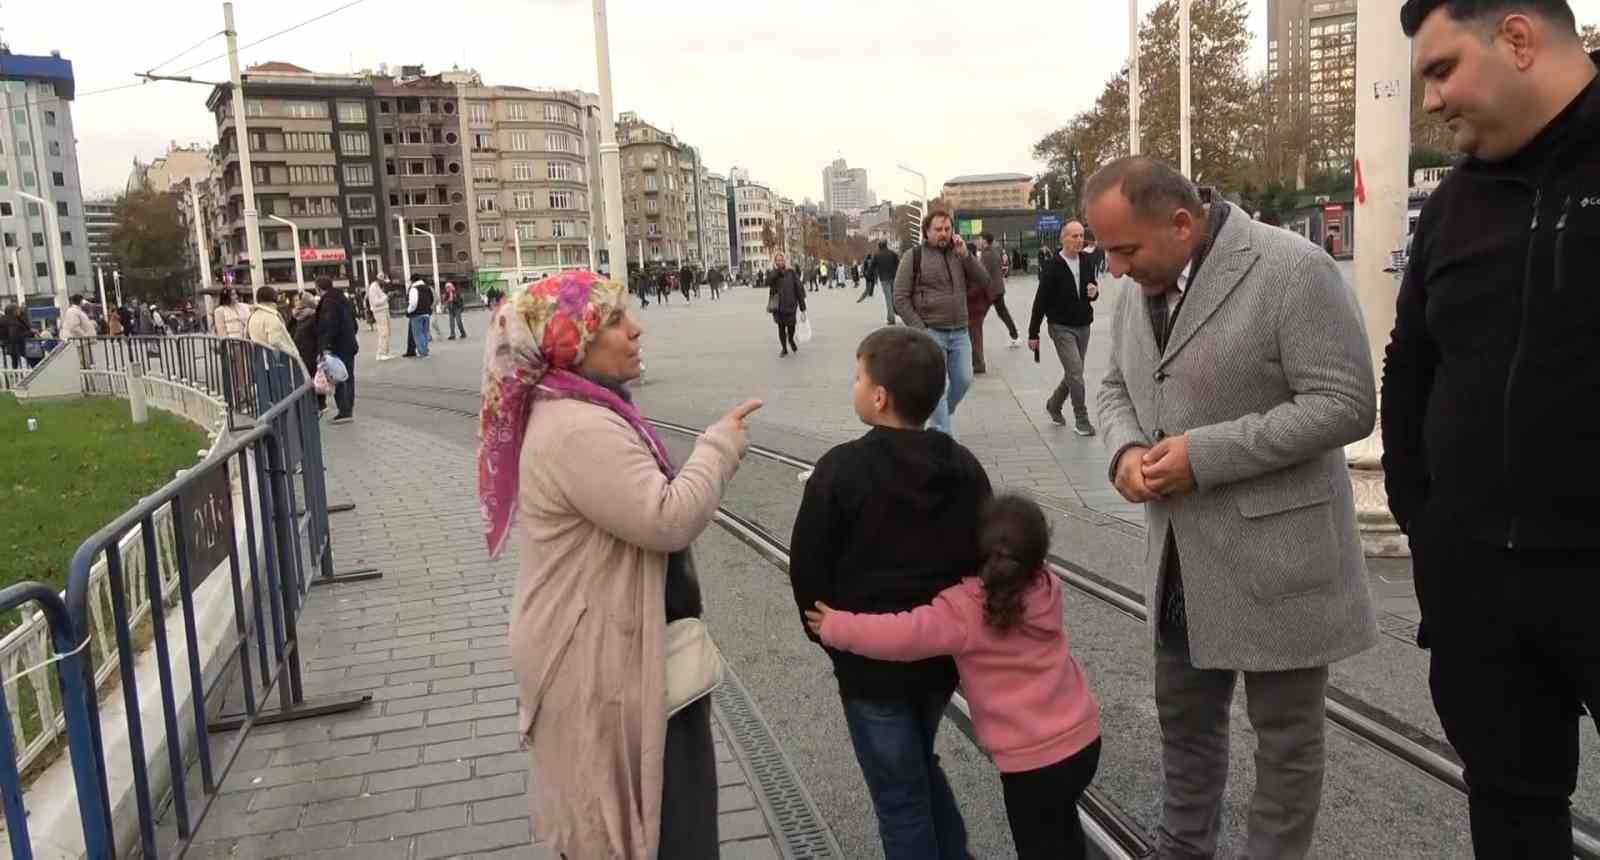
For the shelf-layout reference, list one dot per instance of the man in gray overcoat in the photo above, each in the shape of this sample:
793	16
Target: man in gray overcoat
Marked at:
1239	371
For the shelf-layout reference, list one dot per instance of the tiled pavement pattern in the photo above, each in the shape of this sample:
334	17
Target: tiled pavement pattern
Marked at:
434	766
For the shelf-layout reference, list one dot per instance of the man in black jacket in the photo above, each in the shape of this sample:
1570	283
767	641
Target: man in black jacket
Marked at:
1490	374
1067	286
336	335
886	263
886	522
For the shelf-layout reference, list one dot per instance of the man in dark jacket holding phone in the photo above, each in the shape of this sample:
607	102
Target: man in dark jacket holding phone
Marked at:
1067	287
1488	378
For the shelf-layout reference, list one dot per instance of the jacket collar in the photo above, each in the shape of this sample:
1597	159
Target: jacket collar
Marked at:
1231	255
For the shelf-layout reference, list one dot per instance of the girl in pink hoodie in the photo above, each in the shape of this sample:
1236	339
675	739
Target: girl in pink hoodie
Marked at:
1031	705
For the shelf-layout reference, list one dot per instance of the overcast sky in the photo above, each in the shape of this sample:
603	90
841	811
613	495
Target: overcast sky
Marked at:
945	87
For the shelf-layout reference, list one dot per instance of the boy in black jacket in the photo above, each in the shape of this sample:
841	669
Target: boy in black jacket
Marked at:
887	522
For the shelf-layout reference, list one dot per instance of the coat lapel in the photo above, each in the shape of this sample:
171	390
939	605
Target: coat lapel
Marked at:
1224	268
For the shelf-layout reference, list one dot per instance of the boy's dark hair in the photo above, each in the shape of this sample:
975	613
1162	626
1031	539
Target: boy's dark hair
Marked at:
928	220
1014	537
324	283
75	299
266	295
987	237
909	365
1414	12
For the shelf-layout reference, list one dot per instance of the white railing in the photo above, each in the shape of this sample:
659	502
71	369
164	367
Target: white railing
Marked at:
28	646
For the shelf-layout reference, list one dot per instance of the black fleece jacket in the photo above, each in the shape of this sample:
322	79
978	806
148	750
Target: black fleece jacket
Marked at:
887	522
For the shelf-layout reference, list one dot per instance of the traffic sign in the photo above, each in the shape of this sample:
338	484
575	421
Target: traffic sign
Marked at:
1050	223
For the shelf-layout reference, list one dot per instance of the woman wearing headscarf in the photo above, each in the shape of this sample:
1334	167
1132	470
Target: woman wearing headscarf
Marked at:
785	297
604	522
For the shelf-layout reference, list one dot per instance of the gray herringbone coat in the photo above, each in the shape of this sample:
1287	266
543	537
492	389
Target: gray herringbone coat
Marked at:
1267	370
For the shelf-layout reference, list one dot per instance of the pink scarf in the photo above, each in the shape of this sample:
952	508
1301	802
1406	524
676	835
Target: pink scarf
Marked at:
536	336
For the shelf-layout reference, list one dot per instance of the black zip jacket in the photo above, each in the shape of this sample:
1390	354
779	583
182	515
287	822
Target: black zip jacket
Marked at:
1063	299
336	325
886	523
1493	370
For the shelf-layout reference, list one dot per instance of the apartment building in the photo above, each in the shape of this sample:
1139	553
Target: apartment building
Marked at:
423	181
989	191
714	220
845	189
529	154
654	206
315	162
754	208
39	156
1313	44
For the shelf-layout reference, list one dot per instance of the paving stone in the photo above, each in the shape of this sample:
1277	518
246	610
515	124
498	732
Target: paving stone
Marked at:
318	752
471	712
498	725
474	681
751	849
376	725
294	843
473	748
735	798
429	774
498	694
500	809
411	823
504	785
253	823
423	703
356	808
424	736
508	763
314	792
539	851
734	826
480	837
370	763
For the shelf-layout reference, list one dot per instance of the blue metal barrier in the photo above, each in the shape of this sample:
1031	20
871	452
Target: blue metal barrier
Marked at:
276	440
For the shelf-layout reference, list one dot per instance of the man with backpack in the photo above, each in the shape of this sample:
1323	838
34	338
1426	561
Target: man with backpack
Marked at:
930	293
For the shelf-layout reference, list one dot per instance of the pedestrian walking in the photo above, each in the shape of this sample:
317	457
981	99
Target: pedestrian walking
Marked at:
15	330
785	297
886	523
977	313
1239	371
714	281
663	287
378	307
930	293
1031	704
336	336
1067	292
870	272
1492	365
855	276
885	263
604	535
993	258
419	313
454	305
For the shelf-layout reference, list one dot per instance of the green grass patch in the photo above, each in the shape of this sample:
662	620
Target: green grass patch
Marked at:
86	464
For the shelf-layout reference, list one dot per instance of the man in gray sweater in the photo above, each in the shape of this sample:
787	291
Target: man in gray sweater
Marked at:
930	293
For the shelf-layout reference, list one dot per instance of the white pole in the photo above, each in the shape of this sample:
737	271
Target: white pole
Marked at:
58	266
405	253
1185	144
561	257
200	239
366	268
1047	196
16	271
610	154
516	242
1383	123
1133	77
299	268
100	278
116	281
252	219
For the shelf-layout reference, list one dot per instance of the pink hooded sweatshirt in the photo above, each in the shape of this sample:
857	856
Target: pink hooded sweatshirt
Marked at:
1031	703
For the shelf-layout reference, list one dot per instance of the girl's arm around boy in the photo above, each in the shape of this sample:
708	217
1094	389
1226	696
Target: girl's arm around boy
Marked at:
934	630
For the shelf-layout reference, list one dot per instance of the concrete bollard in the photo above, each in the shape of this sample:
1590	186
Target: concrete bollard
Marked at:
136	393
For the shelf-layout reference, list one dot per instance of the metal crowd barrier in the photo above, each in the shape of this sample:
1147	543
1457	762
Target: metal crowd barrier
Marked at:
272	555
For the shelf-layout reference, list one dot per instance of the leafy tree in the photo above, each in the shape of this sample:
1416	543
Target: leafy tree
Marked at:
1591	37
149	244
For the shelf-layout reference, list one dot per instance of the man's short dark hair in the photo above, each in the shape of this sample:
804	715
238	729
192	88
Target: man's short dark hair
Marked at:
987	237
883	244
266	295
76	298
910	366
324	283
927	220
1414	12
1153	188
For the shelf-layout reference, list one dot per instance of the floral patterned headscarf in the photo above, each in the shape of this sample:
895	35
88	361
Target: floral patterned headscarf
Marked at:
538	335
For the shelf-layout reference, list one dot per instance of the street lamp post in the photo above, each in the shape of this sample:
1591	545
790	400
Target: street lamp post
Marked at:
252	218
610	154
58	267
16	271
1185	144
516	244
116	282
1133	77
299	268
200	239
405	252
100	278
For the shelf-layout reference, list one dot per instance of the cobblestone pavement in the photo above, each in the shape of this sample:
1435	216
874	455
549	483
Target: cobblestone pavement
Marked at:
434	766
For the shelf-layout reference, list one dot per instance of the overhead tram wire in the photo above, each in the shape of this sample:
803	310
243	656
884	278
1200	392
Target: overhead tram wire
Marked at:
290	29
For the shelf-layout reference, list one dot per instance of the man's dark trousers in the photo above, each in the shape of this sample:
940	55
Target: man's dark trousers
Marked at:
344	394
918	818
1515	661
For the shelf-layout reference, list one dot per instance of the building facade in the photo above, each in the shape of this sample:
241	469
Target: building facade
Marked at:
787	223
316	162
39	156
714	220
753	205
653	203
423	181
989	191
173	168
844	188
99	220
530	153
1311	44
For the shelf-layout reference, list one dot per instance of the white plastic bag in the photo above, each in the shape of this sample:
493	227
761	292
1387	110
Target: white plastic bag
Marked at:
321	383
802	332
334	367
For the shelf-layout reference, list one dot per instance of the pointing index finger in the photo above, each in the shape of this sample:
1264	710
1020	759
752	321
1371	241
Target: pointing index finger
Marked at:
743	410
